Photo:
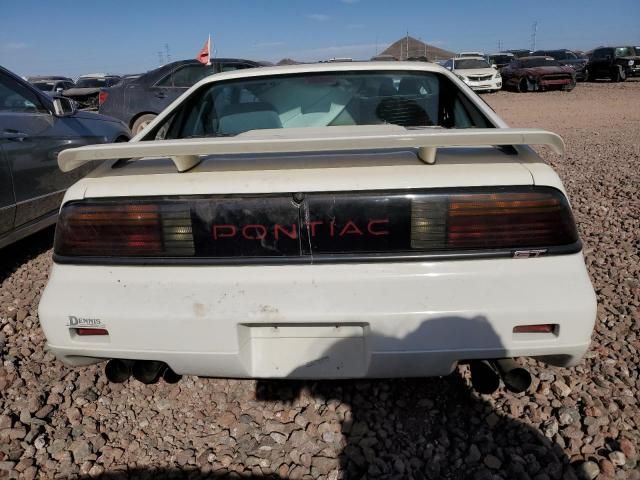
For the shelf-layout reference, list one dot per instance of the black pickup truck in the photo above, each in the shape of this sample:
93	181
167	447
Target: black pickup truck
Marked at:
615	63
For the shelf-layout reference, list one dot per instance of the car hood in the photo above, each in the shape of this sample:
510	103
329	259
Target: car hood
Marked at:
546	70
80	91
84	115
475	71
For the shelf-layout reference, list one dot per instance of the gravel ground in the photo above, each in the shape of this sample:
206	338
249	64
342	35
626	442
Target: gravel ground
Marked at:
583	422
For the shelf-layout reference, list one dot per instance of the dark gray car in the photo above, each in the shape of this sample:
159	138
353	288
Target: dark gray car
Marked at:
34	128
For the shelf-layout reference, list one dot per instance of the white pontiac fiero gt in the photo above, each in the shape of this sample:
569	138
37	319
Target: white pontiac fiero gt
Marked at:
320	221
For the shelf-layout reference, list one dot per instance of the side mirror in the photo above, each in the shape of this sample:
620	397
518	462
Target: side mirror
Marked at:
448	68
64	107
493	65
59	90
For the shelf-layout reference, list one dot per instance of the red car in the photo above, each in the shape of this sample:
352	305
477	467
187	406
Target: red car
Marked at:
534	74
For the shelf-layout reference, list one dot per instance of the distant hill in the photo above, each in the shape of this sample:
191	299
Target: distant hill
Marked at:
399	50
288	61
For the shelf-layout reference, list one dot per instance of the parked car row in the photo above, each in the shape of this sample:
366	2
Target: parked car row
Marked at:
34	128
525	71
137	101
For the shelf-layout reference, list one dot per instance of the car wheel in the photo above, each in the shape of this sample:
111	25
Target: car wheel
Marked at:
588	76
141	122
618	74
571	86
523	85
623	74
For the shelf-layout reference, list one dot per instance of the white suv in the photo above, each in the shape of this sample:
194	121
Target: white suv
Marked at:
475	72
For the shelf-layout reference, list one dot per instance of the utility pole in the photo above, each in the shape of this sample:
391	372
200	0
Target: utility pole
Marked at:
160	59
166	53
534	33
407	52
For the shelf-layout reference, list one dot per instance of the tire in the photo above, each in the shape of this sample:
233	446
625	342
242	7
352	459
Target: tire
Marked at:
588	76
571	86
618	74
523	85
141	122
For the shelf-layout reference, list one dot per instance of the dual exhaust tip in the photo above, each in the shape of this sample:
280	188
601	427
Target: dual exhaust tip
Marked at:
146	371
486	375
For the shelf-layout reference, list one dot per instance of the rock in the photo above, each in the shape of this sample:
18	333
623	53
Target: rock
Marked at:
550	428
324	465
617	458
492	462
80	449
627	447
74	416
398	465
560	388
568	415
588	470
474	455
607	468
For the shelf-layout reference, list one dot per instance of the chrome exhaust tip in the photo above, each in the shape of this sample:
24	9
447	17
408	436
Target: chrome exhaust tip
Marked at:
516	378
484	376
117	370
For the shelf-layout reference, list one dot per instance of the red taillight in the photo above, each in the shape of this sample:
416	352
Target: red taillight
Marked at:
138	229
538	328
91	331
102	97
508	220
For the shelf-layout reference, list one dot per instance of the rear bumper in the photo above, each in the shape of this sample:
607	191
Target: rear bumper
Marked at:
323	321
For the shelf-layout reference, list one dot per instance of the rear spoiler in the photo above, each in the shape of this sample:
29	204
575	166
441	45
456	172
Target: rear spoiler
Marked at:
186	153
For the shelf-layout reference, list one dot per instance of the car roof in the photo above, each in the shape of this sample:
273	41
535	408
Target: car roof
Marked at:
324	67
469	57
152	76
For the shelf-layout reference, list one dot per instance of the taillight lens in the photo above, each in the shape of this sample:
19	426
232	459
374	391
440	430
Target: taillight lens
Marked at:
325	226
138	229
102	97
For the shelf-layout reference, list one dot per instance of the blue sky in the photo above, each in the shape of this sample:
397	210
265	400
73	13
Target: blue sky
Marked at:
79	36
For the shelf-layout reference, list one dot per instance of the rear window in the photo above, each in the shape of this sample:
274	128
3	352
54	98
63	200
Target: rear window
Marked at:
44	86
410	99
91	83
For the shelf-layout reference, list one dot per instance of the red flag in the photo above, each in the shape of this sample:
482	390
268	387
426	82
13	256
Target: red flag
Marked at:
204	56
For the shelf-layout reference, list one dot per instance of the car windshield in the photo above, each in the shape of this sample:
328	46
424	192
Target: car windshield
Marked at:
470	63
44	86
91	83
538	62
501	59
624	52
411	99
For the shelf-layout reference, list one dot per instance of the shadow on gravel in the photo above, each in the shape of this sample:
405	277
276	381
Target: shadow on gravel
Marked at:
434	428
14	255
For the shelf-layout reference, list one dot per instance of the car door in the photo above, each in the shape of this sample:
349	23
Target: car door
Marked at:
31	138
600	61
167	89
7	198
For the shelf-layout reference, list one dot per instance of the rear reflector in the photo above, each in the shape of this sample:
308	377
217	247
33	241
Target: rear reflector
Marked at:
102	97
540	328
328	225
91	331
